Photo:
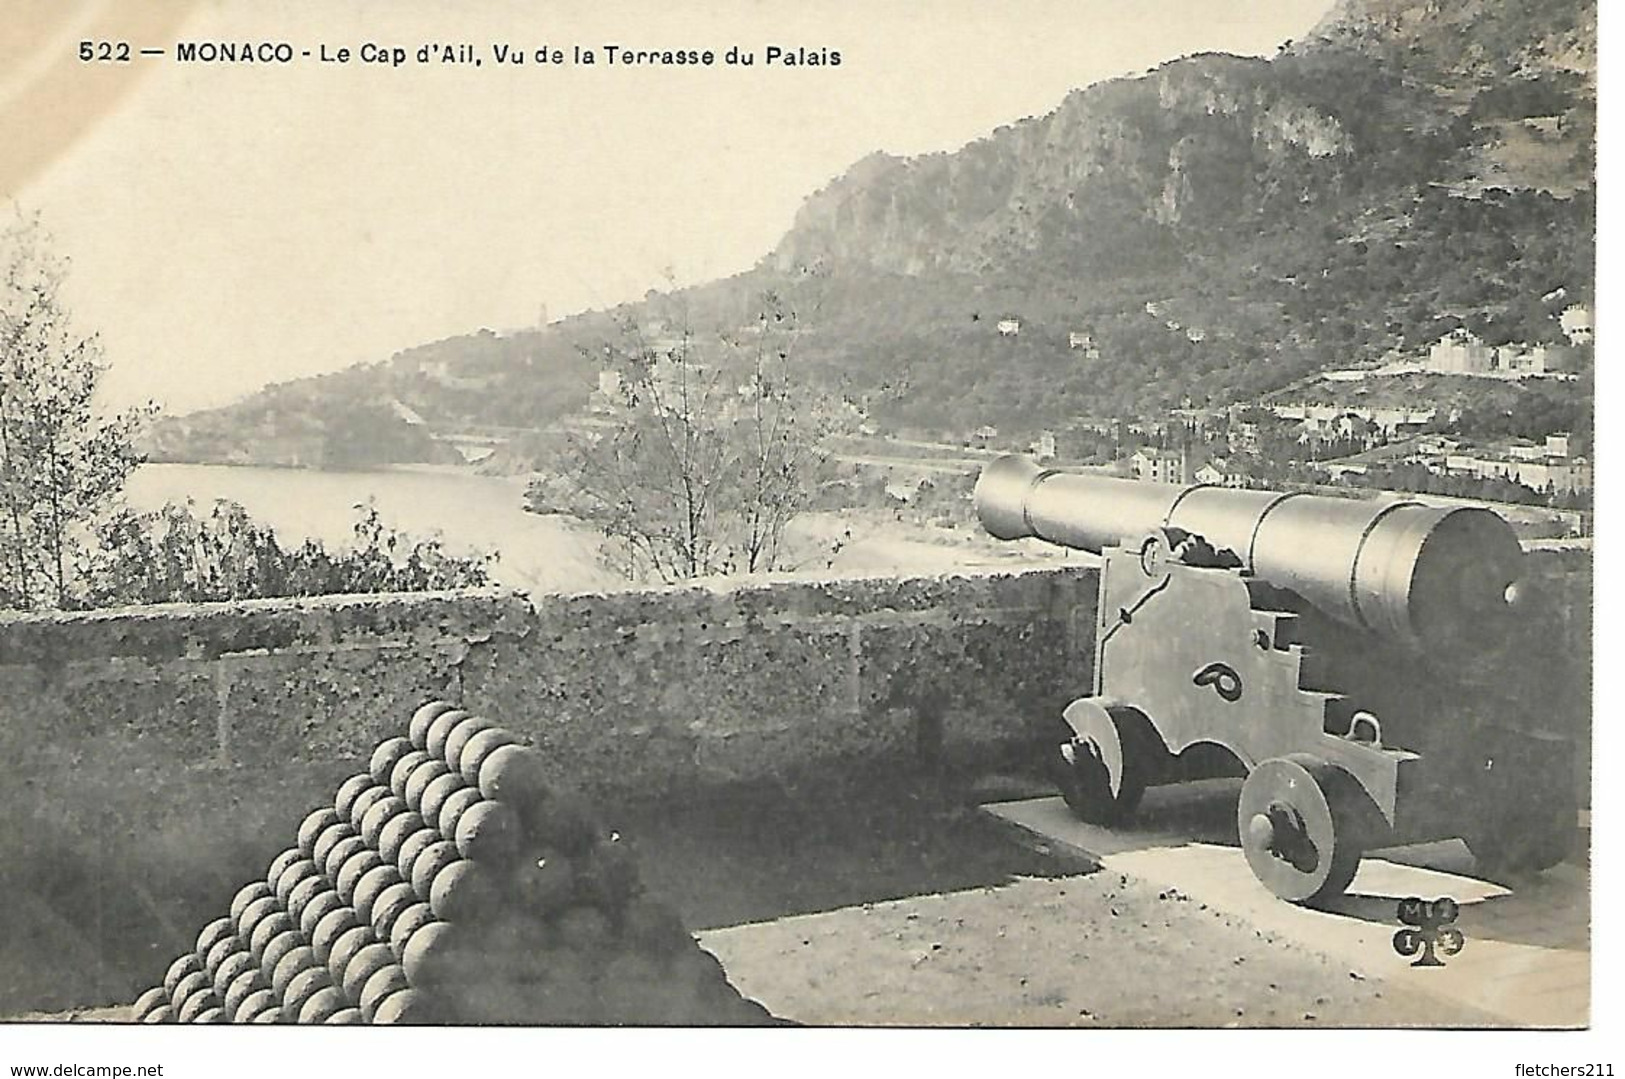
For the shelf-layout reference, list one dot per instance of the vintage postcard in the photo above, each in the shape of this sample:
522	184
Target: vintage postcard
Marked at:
579	516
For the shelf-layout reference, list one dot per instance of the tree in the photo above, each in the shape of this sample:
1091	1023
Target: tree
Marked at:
710	451
177	554
61	465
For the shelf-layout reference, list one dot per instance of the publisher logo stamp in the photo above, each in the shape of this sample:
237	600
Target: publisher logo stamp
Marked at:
1429	930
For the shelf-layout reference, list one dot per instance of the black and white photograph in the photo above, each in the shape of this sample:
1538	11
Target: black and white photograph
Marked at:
683	520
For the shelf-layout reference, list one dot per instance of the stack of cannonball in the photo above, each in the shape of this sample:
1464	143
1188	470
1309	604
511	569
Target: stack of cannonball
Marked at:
449	883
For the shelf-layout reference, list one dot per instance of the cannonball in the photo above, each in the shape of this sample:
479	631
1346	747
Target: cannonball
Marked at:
395	832
268	928
382	812
412	846
346	1017
430	957
632	990
218	954
196	1004
280	945
249	892
317	909
516	774
304	892
435	796
371	886
281	862
545	885
434	740
407	923
241	988
180	968
349	791
195	982
217	931
463	891
163	1013
273	1014
488	833
314	824
253	914
342	851
611	877
234	966
460	736
305	984
146	1002
585	929
408	1007
390	904
295	962
561	820
301	870
349	944
418	729
322	1004
401	774
362	966
354	868
652	928
419	781
253	1005
389	980
365	801
329	838
330	929
429	864
454	808
384	757
481	746
516	938
209	1015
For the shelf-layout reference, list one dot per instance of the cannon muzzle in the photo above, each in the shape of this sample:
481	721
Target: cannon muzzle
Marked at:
1435	577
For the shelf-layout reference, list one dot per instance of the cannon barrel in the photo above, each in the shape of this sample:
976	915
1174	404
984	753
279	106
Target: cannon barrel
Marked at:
1437	578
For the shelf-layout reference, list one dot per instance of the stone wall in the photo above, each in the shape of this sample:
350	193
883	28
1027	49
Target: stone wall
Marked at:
159	756
155	758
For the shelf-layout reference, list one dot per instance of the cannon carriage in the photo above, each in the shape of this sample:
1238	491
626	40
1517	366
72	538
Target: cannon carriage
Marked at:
1341	654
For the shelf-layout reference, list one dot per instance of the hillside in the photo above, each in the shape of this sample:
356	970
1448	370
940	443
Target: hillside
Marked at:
1212	230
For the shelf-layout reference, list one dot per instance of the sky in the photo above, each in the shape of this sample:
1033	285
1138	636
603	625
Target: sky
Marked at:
233	225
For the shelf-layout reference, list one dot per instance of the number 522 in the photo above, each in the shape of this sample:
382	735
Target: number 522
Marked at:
104	50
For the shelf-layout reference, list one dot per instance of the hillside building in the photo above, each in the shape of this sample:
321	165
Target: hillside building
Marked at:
1460	352
1535	359
1541	466
1160	466
1576	323
1360	421
1079	341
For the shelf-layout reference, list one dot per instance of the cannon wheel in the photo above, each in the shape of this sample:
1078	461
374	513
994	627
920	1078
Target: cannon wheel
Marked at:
1302	823
1104	768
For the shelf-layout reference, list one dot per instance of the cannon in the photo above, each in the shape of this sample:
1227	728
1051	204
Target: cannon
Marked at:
1345	656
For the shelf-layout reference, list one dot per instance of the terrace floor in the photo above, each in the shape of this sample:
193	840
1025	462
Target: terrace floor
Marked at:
940	902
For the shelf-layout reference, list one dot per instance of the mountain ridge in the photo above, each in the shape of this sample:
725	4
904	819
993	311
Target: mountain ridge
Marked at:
1217	228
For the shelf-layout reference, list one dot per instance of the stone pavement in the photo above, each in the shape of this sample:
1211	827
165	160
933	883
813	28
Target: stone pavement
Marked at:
1527	959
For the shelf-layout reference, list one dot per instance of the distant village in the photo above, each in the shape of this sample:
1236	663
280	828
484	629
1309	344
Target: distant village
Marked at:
1342	441
1276	442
